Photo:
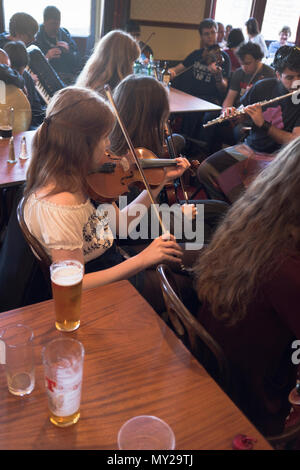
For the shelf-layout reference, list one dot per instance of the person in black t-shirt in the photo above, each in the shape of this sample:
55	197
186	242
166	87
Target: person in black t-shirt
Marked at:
205	73
228	172
210	71
251	71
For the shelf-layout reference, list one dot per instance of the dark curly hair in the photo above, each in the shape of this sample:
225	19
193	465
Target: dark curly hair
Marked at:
235	38
250	48
287	57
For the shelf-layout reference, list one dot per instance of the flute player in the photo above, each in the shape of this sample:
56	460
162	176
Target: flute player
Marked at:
227	173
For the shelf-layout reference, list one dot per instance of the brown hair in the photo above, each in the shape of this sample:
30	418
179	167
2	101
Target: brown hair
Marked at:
111	61
143	105
258	232
64	145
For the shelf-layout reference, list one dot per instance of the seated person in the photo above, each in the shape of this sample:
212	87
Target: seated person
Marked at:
251	71
227	31
143	106
206	75
7	74
58	210
112	60
255	36
58	46
234	41
228	172
19	60
221	35
248	283
133	28
210	68
284	34
22	27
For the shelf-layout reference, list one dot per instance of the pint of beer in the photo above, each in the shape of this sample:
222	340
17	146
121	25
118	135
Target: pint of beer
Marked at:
63	369
66	281
6	121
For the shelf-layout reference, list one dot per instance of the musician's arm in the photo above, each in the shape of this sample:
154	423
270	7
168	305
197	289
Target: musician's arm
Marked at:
221	82
280	136
283	137
175	70
230	99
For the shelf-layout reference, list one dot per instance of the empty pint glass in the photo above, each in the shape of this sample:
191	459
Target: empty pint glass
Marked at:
63	368
17	339
66	281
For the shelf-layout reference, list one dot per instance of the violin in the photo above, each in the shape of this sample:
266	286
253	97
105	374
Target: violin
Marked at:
117	174
212	54
173	189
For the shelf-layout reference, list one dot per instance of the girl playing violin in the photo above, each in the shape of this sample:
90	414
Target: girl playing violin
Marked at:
143	105
58	211
111	61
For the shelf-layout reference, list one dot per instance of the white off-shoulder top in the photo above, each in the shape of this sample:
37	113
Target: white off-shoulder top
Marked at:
69	227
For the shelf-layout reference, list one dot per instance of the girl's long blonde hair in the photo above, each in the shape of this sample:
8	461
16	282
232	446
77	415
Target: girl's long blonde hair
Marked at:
257	233
64	145
111	61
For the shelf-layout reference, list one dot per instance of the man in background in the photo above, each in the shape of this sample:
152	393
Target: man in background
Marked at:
58	46
22	27
18	56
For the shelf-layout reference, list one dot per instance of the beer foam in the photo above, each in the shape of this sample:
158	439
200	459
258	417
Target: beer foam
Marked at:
67	275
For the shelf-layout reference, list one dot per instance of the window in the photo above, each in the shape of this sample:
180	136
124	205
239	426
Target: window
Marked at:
234	12
75	14
279	13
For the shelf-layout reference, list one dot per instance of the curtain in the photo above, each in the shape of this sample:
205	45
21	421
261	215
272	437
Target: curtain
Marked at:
115	15
2	25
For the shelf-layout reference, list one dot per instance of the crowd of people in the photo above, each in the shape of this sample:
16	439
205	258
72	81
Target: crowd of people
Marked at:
244	286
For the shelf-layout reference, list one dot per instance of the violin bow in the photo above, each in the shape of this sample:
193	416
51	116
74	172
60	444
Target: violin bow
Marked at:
147	41
134	155
169	133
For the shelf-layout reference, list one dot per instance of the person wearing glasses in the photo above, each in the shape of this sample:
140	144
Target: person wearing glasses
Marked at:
284	34
210	72
227	173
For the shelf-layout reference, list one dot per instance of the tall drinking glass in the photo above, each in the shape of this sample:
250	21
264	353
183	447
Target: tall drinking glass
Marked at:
66	281
19	359
63	368
6	121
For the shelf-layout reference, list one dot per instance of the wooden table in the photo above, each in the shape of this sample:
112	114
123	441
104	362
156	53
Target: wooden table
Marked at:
12	174
134	365
181	102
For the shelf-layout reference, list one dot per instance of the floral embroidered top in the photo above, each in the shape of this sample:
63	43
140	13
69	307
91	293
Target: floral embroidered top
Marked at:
69	227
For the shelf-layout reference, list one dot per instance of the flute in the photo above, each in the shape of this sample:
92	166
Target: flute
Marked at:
241	109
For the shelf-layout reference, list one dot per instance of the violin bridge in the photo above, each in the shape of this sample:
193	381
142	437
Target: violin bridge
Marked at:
125	164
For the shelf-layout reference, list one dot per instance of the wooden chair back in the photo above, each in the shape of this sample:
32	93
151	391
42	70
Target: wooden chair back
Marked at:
189	329
37	248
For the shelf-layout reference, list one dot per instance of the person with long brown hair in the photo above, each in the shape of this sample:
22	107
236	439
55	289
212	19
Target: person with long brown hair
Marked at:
111	61
248	283
143	105
58	210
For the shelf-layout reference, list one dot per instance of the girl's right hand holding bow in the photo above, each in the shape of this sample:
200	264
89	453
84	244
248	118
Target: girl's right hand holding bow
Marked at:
160	250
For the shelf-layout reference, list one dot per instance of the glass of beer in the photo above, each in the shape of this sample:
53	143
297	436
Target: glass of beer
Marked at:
66	281
18	358
6	121
63	368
